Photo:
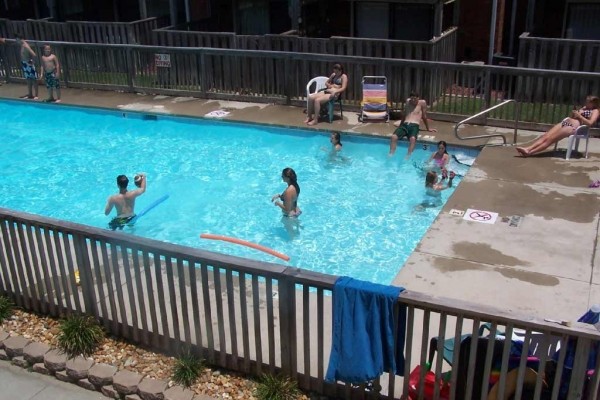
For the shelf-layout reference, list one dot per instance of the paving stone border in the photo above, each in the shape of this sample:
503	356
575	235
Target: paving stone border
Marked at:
83	372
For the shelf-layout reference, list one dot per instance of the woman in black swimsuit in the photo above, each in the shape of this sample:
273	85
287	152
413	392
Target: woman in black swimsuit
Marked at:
336	85
587	115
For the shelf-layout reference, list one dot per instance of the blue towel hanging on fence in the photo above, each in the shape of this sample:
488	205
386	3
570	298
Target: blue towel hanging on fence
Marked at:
363	331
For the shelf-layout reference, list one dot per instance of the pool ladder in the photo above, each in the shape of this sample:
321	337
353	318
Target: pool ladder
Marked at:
516	115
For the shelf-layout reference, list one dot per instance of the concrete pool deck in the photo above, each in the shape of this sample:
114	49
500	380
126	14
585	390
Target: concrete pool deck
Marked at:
545	267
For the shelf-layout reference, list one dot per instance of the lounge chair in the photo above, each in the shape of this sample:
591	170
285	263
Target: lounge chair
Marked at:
582	132
374	104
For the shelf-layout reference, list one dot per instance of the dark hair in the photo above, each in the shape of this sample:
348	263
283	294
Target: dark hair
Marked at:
445	146
337	137
122	182
430	178
291	175
338	66
413	94
594	100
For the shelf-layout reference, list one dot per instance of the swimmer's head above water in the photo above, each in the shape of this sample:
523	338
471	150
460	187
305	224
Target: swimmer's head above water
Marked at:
122	182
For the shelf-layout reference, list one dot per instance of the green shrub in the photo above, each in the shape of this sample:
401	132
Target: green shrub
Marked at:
6	308
187	369
276	388
79	335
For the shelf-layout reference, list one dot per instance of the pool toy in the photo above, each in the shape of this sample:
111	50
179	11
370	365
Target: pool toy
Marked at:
145	210
245	243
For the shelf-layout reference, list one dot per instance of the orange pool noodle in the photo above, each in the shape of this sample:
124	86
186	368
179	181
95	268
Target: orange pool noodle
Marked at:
245	243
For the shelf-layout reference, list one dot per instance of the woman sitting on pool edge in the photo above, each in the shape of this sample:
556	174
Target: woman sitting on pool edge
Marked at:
336	85
288	200
587	115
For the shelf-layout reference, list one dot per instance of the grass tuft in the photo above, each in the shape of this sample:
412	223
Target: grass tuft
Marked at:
6	308
187	369
79	335
280	387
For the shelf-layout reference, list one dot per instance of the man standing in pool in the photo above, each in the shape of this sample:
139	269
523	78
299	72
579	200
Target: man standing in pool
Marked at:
415	110
124	201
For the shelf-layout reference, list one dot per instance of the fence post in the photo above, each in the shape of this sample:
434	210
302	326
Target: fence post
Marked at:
203	74
130	68
287	82
287	321
487	92
85	275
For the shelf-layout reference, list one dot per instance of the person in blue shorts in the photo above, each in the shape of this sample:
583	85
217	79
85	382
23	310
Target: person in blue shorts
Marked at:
28	66
124	202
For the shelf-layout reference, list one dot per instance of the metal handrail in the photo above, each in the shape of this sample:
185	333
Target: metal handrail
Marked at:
516	113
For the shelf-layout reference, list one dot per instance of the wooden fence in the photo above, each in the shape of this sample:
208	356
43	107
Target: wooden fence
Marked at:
257	317
442	48
559	54
452	90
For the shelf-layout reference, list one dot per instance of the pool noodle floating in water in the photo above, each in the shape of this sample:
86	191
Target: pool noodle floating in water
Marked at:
245	243
150	207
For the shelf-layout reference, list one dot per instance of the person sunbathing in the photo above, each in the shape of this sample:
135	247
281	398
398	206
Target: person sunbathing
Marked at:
587	115
335	86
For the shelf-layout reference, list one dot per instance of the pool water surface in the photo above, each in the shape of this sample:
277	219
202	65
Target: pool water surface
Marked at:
360	207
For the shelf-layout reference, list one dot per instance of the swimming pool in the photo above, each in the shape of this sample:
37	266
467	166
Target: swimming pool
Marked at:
358	218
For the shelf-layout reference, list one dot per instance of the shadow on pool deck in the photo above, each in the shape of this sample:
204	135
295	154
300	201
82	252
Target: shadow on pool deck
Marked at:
544	267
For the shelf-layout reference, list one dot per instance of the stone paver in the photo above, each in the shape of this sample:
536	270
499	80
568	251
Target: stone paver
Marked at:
19	361
55	360
14	345
101	374
34	352
178	393
3	355
109	391
126	382
3	336
78	367
86	384
40	368
152	389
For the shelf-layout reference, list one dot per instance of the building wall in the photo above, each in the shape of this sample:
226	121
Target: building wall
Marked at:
474	30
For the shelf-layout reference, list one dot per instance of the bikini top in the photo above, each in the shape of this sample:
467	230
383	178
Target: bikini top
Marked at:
586	113
336	79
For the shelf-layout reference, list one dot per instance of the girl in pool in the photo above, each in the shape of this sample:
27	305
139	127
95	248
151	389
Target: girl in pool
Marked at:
288	200
440	158
587	115
433	189
336	141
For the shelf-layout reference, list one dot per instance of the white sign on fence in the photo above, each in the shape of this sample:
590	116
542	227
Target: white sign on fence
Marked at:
162	60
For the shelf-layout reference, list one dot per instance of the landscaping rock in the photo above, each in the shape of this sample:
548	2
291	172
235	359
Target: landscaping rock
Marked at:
126	382
152	389
3	356
19	362
132	397
62	376
110	391
40	368
34	352
55	360
78	367
178	393
101	374
203	397
86	384
3	336
14	346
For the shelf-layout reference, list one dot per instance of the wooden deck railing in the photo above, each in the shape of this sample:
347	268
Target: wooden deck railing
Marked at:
452	90
257	317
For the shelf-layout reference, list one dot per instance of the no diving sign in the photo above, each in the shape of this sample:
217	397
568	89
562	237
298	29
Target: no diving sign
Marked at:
485	217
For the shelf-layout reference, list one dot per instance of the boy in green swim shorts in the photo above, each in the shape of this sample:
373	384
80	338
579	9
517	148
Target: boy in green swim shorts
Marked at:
415	111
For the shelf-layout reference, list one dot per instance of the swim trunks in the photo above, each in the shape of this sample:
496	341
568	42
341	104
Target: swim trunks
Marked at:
28	70
52	82
119	222
408	129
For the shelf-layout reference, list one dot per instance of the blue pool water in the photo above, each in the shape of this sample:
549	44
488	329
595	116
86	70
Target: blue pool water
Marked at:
358	218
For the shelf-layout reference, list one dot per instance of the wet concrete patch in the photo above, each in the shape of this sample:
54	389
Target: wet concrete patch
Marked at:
485	254
529	277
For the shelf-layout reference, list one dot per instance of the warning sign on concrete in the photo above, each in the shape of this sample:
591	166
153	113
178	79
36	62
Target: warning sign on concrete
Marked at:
486	217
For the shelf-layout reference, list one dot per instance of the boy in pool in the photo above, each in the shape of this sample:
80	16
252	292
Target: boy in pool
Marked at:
124	202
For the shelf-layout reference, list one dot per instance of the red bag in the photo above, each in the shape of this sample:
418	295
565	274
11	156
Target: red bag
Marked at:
428	386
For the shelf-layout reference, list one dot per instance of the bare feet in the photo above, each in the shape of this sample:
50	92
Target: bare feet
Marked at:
307	120
312	122
522	151
57	101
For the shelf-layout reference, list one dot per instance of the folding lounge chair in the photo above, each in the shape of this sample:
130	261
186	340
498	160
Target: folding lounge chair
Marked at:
582	132
374	103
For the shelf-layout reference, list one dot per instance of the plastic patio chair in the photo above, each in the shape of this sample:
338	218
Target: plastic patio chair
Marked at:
582	132
318	83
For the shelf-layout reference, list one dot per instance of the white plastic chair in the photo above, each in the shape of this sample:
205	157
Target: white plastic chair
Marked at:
318	82
582	132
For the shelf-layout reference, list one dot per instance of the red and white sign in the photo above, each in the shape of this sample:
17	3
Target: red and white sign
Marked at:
162	60
486	217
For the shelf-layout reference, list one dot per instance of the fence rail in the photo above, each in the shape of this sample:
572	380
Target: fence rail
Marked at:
452	90
559	54
257	317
